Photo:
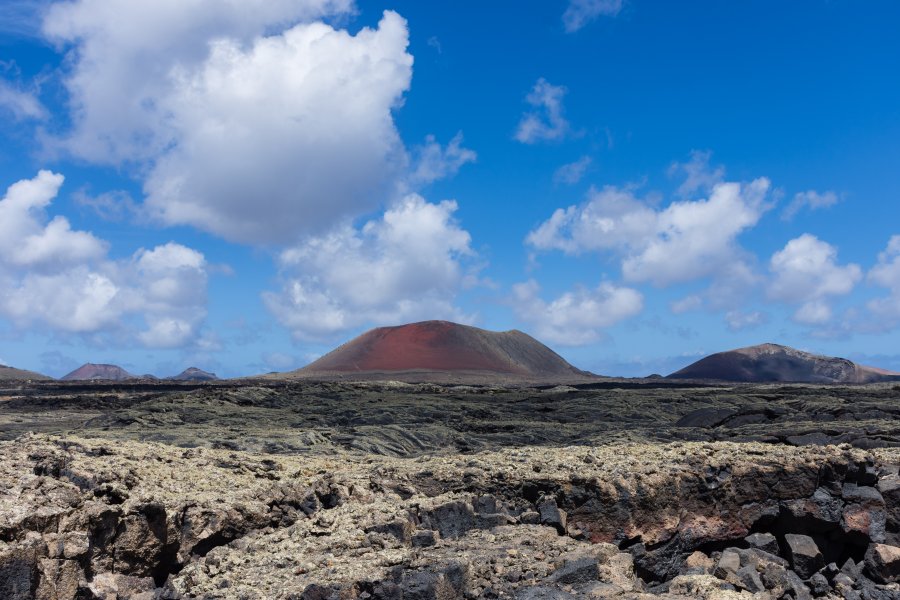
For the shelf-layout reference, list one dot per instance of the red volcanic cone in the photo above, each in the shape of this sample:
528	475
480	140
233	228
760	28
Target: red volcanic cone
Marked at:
445	347
90	372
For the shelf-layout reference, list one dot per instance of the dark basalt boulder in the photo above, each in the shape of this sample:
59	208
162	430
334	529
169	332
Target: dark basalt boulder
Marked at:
805	556
883	563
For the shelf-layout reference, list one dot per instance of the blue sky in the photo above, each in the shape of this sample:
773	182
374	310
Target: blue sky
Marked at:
242	186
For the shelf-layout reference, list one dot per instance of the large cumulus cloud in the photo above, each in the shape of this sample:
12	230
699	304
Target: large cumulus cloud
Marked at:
54	277
252	120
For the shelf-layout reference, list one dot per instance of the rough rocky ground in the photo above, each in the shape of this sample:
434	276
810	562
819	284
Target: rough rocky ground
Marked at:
395	491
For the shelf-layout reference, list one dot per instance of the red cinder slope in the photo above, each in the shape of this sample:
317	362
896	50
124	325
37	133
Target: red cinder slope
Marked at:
444	346
90	372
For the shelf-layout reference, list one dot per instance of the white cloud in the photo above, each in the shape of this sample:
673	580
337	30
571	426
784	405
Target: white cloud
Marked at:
167	333
125	55
431	161
814	312
699	175
578	317
581	12
734	284
887	274
811	200
54	277
21	104
685	241
572	173
612	219
249	121
546	121
74	300
806	272
405	266
738	320
25	241
114	205
172	283
307	140
698	239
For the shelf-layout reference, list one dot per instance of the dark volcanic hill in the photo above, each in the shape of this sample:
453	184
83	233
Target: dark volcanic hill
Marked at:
774	363
13	374
90	372
444	347
194	374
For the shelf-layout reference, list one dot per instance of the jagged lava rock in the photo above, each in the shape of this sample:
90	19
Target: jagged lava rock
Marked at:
805	556
764	541
95	518
883	562
776	363
91	371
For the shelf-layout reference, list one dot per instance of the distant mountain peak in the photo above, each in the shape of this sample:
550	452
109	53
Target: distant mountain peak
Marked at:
93	371
443	347
777	363
8	373
194	374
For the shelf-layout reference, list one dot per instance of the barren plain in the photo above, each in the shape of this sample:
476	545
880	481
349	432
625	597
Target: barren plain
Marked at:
375	490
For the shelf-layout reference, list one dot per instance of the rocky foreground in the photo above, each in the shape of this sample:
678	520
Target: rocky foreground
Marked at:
101	511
